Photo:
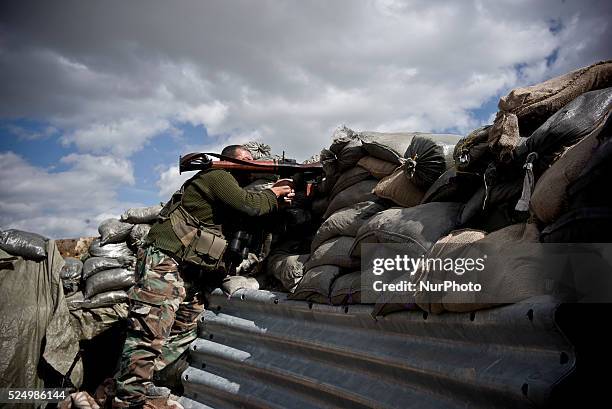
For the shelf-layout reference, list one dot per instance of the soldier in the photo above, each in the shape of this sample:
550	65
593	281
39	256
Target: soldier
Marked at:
165	303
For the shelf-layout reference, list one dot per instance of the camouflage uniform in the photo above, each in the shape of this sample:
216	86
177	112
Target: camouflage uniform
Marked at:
162	323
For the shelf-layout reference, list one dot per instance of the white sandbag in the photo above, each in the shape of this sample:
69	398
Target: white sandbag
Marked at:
287	268
72	269
107	280
30	246
95	264
113	231
139	234
139	215
115	250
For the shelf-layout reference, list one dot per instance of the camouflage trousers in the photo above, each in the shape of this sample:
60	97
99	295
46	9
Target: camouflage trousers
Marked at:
162	323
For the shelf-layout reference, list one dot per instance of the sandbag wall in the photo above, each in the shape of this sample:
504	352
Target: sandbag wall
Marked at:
102	277
369	177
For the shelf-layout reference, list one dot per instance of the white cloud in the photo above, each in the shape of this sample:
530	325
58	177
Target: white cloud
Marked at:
286	73
70	203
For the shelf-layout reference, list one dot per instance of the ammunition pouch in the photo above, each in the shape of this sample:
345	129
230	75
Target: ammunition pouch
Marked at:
202	245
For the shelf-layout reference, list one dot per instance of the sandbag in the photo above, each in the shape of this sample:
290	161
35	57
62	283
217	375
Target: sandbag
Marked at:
329	162
335	252
113	231
231	284
341	137
319	206
398	188
523	110
30	246
327	184
427	157
549	199
316	284
75	300
115	250
391	301
107	280
390	147
287	268
139	215
72	269
95	264
588	188
346	289
259	150
511	275
139	234
472	153
359	192
346	222
586	115
583	225
418	227
377	167
105	299
453	186
348	179
350	155
583	116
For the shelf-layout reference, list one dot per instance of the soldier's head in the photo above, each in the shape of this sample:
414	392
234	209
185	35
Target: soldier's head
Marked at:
237	152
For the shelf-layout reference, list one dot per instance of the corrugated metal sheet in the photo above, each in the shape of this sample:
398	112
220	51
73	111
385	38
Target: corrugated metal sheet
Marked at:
259	350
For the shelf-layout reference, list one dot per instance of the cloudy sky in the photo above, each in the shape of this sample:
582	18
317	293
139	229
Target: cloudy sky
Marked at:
99	98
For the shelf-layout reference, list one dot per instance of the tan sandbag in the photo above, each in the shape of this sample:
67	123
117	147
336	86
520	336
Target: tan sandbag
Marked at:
399	189
549	199
377	167
509	276
525	109
287	268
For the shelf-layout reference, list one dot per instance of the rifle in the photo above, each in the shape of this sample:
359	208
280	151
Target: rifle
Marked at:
306	174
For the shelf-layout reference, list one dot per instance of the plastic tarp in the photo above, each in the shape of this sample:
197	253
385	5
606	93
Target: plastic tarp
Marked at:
34	321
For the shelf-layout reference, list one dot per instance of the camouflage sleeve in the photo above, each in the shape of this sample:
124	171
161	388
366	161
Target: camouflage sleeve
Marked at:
224	187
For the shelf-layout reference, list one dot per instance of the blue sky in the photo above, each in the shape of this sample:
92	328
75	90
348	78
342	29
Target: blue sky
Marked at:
99	99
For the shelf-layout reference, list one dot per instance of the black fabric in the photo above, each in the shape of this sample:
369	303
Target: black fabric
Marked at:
584	225
30	246
472	153
453	186
566	127
425	161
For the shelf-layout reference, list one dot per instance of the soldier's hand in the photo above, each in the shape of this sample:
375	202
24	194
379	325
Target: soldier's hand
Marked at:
281	191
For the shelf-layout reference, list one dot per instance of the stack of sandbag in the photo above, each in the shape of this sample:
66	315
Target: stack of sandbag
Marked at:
572	199
534	128
419	159
510	271
347	202
523	110
109	269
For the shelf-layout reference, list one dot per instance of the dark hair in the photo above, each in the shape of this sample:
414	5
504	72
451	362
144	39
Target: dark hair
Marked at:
232	150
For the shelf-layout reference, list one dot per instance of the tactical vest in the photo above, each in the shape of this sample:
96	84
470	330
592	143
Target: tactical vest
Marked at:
202	244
